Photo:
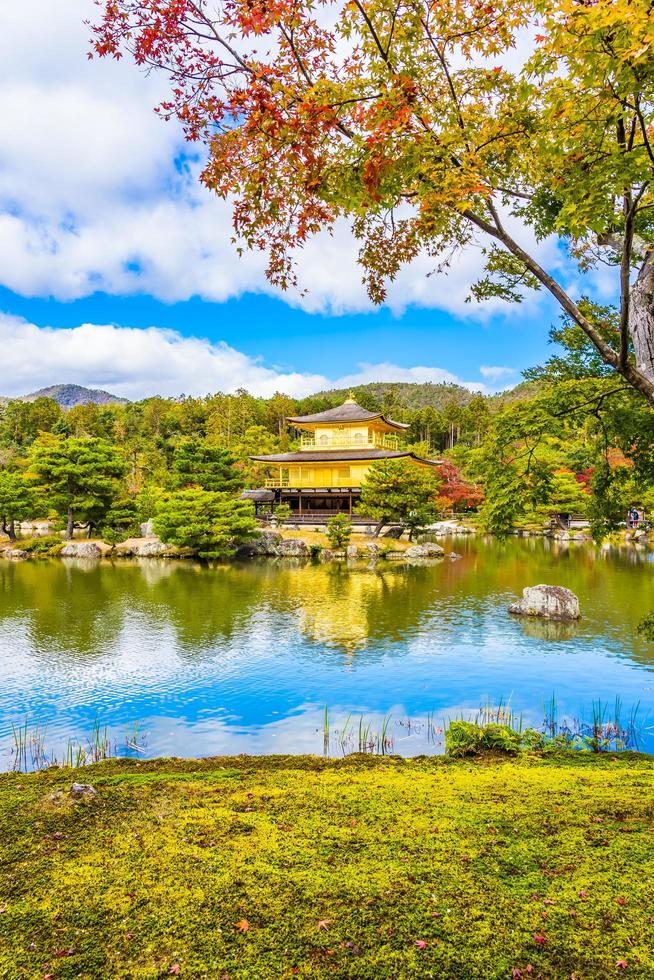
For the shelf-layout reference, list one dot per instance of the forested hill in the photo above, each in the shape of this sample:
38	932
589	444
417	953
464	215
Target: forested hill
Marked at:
376	396
385	394
70	395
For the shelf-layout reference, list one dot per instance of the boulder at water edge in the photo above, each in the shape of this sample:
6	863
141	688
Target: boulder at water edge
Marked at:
81	549
547	602
293	548
15	554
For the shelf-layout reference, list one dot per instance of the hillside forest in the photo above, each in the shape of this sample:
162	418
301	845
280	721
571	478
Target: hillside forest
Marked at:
573	438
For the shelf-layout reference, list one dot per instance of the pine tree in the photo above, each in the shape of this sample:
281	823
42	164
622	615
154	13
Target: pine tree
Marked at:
211	524
196	463
399	490
80	476
17	501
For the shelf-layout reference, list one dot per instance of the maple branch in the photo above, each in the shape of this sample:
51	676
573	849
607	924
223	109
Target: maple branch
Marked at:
392	27
375	36
591	401
628	371
210	25
511	193
289	40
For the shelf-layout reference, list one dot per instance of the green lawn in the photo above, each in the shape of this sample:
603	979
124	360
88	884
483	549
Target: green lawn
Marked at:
293	866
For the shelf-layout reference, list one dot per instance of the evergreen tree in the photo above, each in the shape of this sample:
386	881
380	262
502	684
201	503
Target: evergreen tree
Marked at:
198	464
339	531
211	524
17	501
121	519
80	476
399	490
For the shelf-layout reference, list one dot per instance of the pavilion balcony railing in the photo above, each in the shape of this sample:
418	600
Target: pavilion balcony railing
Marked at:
374	440
324	481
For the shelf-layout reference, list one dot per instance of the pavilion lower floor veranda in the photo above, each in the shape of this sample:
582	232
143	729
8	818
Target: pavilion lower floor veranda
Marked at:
319	502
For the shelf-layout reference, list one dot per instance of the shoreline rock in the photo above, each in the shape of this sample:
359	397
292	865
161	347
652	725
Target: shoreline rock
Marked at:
81	549
147	547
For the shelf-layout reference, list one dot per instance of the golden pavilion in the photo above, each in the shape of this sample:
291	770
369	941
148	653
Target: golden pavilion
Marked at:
337	448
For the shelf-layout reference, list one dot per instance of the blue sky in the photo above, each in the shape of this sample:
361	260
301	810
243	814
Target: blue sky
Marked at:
117	269
290	339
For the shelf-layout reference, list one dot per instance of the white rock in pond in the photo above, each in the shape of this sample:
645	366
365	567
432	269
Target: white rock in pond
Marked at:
351	552
433	550
424	551
547	602
82	789
81	549
415	551
372	550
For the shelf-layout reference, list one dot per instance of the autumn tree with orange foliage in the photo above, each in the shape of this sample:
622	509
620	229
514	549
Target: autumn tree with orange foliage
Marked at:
418	123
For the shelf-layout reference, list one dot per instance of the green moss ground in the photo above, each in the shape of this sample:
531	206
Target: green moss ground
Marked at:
341	869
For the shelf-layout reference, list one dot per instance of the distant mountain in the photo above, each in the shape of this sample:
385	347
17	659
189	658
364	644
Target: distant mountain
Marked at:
70	395
407	394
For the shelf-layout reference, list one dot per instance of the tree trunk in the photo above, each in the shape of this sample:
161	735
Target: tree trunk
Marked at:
379	527
641	317
70	524
9	529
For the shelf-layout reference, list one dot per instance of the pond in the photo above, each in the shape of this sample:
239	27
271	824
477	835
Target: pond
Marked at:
183	659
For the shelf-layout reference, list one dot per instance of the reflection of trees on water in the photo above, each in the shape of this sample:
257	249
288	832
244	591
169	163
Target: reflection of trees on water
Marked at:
75	610
66	609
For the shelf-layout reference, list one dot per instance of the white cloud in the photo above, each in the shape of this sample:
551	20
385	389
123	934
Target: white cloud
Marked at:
496	373
97	193
135	363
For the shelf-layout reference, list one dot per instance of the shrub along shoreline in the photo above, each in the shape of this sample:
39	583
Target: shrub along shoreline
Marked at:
364	867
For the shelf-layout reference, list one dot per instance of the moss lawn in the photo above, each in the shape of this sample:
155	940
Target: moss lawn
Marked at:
281	867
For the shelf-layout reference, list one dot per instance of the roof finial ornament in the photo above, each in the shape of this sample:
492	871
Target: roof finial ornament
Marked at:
350	398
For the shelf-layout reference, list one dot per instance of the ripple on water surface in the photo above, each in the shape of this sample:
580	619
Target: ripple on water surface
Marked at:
245	657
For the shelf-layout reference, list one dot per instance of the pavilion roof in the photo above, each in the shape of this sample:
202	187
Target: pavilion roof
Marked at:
259	496
345	455
349	411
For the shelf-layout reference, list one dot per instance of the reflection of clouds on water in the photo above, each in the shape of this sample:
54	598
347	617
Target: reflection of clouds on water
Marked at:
237	656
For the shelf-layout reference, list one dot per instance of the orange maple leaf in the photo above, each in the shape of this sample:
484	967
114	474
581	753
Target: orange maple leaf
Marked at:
242	925
324	923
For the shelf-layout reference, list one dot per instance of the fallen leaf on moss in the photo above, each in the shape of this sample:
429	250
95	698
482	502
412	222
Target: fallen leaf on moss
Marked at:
421	944
324	923
175	969
621	964
539	938
242	925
